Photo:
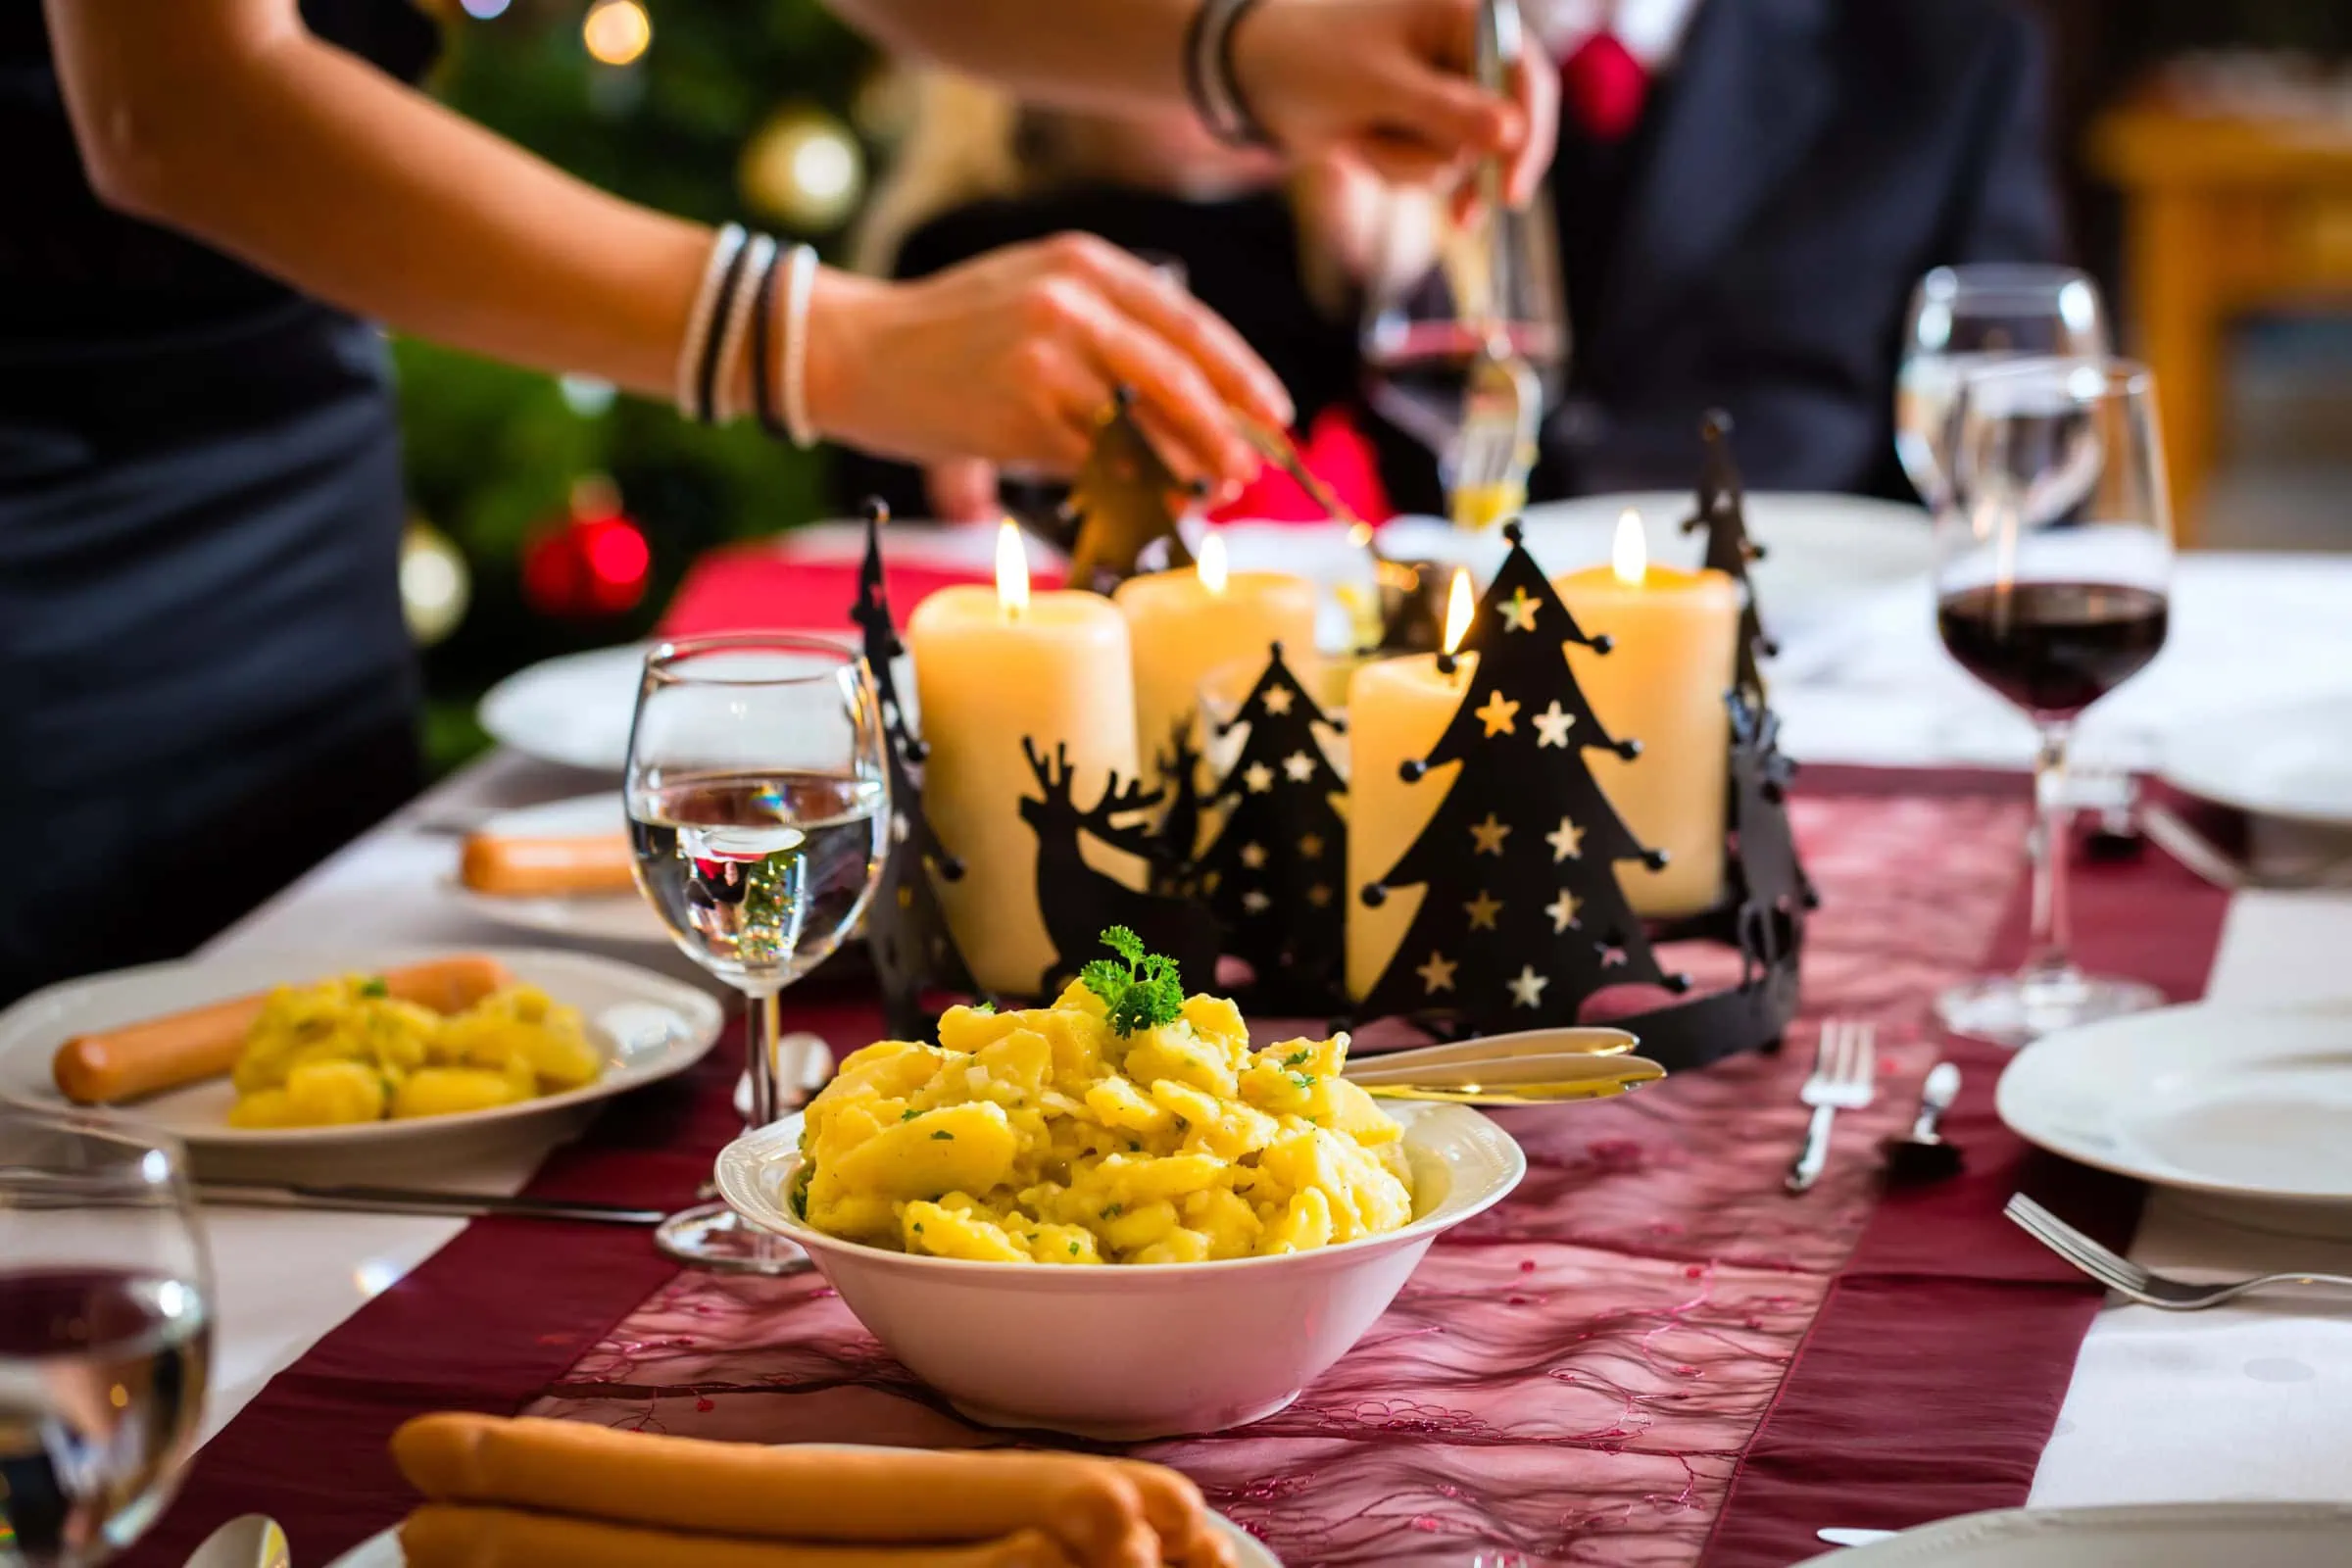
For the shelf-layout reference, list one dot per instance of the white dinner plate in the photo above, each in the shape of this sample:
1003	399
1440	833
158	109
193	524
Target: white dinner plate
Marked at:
574	709
2183	1534
2231	1102
383	1550
591	916
2291	762
649	1026
1820	551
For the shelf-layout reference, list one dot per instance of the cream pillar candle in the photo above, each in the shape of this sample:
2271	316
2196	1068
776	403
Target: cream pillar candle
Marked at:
993	666
1663	684
1183	625
1397	708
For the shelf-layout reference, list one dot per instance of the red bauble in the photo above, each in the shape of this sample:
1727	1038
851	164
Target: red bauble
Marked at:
589	566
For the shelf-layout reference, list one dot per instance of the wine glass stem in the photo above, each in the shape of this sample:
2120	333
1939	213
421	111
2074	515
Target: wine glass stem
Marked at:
760	1040
2050	939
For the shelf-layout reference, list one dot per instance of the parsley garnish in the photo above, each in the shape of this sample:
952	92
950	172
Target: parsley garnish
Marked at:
984	1005
943	1136
374	986
1305	1080
1073	1248
918	1227
1296	1057
909	1114
1142	993
1112	1212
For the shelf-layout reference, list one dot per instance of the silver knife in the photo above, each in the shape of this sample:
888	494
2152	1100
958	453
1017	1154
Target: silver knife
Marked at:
362	1199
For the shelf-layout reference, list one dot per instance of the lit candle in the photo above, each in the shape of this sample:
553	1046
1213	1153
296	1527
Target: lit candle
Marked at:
1397	708
1677	636
1185	623
993	667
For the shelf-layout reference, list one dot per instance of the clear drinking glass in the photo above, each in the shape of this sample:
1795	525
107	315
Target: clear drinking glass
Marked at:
1440	291
1963	318
2053	562
759	813
105	1336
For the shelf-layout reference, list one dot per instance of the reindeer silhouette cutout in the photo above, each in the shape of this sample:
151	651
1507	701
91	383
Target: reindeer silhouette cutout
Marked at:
1178	841
1774	891
1078	902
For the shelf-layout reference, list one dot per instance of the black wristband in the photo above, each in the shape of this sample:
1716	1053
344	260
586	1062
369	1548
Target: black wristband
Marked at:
1208	75
706	379
764	378
1248	129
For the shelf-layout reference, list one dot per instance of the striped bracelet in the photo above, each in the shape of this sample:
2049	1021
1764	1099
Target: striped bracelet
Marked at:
695	369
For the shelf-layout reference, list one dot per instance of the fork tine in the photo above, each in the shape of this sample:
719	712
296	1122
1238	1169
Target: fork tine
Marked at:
1836	1043
1867	1035
2085	1253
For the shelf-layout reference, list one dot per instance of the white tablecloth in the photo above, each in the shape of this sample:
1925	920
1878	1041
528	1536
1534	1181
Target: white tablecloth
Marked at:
2248	1401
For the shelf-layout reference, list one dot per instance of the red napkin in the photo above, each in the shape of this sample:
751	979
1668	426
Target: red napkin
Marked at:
763	588
1335	452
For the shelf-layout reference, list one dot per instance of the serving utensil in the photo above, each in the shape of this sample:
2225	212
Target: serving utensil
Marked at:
1515	1081
2119	1274
1844	1066
1275	445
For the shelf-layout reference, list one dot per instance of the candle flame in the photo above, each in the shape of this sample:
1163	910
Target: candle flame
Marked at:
1460	605
1629	554
1012	570
1212	563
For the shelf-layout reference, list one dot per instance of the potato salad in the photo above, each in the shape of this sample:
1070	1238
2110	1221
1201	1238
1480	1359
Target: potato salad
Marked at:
1126	1123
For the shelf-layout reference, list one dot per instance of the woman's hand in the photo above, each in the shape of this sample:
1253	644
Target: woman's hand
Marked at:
1388	82
1012	359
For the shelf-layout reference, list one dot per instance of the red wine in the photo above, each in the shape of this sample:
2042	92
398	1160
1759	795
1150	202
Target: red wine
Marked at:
102	1377
2053	648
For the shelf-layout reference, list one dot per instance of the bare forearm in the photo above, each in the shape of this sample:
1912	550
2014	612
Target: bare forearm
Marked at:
1081	54
311	164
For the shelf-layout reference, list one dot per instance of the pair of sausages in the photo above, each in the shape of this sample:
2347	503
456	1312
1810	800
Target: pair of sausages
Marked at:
513	1495
138	1059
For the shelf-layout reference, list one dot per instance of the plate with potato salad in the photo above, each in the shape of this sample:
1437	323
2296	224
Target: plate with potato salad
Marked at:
320	1049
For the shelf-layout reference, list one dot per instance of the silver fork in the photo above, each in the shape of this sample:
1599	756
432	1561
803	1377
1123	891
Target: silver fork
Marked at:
1503	400
2121	1275
1846	1065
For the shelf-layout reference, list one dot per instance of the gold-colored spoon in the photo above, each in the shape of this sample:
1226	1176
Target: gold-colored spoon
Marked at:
1513	1081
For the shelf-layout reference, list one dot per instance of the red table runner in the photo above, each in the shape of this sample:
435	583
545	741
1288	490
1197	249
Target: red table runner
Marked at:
1650	1356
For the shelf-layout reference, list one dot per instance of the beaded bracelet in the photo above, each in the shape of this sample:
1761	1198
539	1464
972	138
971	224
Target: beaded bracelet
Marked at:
695	364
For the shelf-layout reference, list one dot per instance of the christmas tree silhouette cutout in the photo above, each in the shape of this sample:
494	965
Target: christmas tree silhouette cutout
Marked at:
907	933
1521	916
1275	875
1723	513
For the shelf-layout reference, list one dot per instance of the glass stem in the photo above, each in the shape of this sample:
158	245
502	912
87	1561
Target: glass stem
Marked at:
2050	939
759	1047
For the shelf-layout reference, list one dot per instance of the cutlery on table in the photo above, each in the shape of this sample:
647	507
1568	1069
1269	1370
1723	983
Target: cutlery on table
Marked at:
1922	1154
1518	1081
2172	833
1845	1063
352	1199
1567	1042
2125	1277
249	1541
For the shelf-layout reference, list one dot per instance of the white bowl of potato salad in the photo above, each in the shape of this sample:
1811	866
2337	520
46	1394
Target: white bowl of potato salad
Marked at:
1112	1216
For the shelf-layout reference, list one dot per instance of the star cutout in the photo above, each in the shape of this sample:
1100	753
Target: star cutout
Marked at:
1437	974
1253	856
1482	911
1567	842
1562	910
1501	715
1319	895
1278	701
1259	777
1299	766
1518	611
1310	848
1489	835
1256	903
1527	991
1551	725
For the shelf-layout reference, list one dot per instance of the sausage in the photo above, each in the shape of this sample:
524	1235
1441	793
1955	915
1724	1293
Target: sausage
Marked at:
873	1495
443	1535
145	1058
516	868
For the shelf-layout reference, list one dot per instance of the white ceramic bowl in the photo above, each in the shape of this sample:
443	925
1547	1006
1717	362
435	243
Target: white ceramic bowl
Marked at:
1122	1353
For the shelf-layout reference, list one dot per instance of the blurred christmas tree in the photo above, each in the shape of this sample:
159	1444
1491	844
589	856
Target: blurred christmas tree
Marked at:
557	515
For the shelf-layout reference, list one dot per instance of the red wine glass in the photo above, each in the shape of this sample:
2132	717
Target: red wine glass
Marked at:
2052	567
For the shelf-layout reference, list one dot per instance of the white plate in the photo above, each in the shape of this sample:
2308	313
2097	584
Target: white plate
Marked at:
591	916
574	709
2227	1100
2187	1535
1819	550
2293	761
649	1025
383	1551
